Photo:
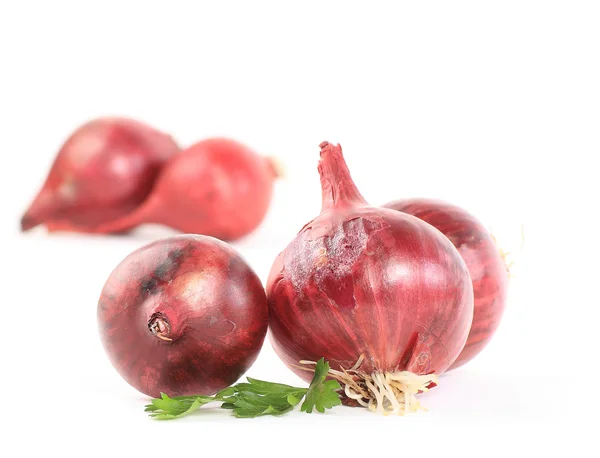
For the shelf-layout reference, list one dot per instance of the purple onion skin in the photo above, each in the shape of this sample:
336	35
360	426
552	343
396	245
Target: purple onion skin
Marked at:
485	263
184	315
360	280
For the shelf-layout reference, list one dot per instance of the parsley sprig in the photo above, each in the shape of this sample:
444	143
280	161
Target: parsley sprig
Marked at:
255	398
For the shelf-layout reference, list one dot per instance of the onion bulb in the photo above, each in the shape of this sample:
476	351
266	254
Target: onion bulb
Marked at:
383	296
183	315
485	261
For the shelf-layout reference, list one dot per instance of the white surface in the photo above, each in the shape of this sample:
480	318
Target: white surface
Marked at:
495	108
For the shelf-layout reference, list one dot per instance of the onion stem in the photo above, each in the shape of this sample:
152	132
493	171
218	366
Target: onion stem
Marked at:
160	327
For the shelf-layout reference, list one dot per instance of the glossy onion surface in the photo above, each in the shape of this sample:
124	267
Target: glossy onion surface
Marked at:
104	170
359	280
184	315
484	261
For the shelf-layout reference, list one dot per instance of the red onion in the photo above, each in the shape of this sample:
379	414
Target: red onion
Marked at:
184	315
485	263
217	187
381	295
103	171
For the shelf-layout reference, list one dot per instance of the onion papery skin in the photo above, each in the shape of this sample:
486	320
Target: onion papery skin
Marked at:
211	308
360	280
485	263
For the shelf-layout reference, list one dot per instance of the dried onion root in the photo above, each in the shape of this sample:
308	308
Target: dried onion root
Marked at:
382	392
507	256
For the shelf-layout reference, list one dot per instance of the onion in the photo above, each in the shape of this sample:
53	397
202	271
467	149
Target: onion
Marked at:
184	315
105	169
217	187
381	295
485	262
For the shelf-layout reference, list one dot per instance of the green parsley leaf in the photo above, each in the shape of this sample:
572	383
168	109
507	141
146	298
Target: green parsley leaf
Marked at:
166	408
255	398
321	394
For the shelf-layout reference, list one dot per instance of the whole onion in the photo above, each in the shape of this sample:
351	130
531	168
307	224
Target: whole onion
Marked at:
184	315
104	171
383	296
217	187
485	262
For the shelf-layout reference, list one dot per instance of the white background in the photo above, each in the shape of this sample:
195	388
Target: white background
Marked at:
494	106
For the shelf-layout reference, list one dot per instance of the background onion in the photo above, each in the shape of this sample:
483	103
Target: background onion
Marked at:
485	262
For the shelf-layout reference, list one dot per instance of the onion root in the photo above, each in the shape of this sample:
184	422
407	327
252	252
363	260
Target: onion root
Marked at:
382	392
506	255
